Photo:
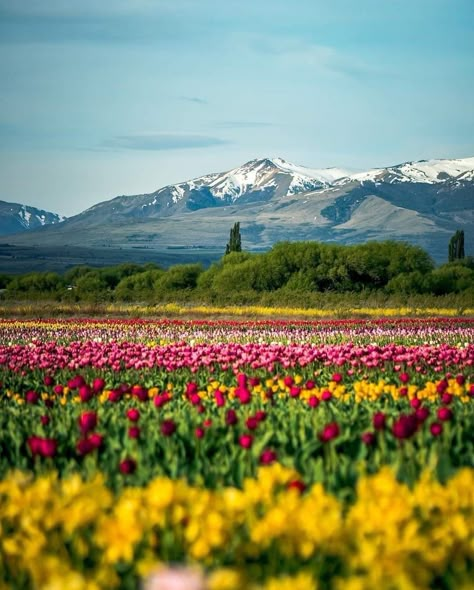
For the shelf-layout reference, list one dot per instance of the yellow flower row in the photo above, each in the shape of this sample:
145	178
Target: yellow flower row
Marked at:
69	533
176	309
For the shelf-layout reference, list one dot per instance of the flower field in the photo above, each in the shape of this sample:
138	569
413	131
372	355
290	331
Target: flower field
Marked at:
270	455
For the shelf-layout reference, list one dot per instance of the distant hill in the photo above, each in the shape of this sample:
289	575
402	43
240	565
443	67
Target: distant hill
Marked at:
15	218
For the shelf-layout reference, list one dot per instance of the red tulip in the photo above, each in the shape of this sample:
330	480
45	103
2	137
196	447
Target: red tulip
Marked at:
405	426
296	484
378	420
404	377
133	414
168	427
231	417
267	457
134	432
31	397
48	447
98	385
251	423
313	401
85	393
87	421
127	466
329	432
444	414
436	428
84	446
199	432
246	441
368	438
326	395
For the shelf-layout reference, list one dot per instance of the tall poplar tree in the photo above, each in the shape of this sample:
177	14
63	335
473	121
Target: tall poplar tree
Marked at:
235	241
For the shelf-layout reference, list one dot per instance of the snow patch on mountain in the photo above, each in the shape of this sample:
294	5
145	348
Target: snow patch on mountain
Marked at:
425	171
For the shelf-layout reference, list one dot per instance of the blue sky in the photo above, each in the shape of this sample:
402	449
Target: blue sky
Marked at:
125	96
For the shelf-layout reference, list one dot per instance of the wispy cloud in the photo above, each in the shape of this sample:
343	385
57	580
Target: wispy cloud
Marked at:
243	124
195	99
162	141
296	52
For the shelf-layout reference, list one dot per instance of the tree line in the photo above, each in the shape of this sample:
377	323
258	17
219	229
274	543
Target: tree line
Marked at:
287	270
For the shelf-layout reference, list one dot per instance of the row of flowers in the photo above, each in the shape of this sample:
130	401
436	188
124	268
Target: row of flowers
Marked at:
220	433
118	356
414	331
70	533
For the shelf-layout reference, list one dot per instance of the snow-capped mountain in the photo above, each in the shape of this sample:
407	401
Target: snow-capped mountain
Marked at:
15	218
425	172
258	180
419	202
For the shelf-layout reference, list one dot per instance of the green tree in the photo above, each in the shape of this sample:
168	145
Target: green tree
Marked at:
456	246
235	241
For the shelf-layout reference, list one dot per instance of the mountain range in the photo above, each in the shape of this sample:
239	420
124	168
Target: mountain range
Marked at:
16	218
418	202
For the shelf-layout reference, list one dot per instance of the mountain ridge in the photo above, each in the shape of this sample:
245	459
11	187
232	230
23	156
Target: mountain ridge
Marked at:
420	202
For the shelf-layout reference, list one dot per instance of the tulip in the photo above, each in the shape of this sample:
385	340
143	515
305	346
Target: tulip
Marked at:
168	427
84	446
48	380
199	432
460	379
422	414
85	393
436	429
48	447
31	397
378	420
446	398
294	391
34	444
251	423
246	441
368	438
405	426
442	386
404	377
133	414
444	414
127	466
98	385
337	378
87	421
96	439
288	381
115	396
267	457
313	401
45	420
297	485
329	432
133	432
231	417
326	395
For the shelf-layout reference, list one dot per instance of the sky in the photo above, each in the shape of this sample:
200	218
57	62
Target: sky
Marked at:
112	97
